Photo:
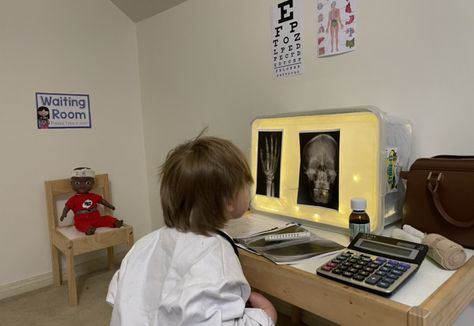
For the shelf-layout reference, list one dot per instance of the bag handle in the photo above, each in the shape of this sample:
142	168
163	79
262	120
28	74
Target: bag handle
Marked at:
434	193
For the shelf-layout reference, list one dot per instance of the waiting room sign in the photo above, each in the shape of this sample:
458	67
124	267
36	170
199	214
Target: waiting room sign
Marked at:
59	111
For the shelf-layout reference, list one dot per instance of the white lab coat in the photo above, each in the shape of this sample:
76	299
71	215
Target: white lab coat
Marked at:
172	278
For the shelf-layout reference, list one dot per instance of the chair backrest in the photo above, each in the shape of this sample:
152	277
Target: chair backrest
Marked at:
55	189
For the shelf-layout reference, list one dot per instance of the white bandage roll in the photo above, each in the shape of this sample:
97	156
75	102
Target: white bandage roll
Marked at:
403	235
411	230
445	252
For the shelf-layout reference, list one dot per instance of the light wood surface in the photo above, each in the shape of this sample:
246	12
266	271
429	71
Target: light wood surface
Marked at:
445	305
346	305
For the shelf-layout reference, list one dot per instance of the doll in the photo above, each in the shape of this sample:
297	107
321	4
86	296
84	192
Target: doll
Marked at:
43	117
84	204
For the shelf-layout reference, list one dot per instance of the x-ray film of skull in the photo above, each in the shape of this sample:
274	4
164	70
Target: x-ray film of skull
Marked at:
269	162
319	169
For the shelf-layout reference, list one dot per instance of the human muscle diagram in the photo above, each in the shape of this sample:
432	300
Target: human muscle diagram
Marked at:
335	25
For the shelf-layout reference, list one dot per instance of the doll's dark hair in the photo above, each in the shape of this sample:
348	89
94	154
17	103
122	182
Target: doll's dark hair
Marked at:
42	108
198	180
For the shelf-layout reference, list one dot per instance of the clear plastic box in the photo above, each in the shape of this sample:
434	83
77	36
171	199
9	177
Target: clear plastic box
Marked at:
307	166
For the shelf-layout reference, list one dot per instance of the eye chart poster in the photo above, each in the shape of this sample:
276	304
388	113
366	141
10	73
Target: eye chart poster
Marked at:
335	21
56	110
287	34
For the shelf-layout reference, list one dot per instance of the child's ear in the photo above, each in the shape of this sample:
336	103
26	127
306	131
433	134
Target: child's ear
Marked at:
230	207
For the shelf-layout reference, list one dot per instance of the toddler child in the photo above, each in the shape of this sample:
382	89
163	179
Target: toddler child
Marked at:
188	272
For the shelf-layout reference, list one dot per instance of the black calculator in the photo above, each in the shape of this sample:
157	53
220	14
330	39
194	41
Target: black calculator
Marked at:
375	263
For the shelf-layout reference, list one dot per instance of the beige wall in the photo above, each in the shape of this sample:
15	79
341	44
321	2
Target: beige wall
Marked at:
208	63
66	46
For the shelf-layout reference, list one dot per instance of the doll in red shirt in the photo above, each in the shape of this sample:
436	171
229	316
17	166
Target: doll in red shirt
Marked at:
84	204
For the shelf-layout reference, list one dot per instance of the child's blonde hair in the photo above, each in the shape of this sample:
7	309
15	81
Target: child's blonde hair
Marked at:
198	180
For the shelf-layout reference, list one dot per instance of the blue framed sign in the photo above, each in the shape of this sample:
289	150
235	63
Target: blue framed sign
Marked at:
59	111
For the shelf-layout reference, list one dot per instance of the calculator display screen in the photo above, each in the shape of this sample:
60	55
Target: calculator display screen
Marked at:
383	248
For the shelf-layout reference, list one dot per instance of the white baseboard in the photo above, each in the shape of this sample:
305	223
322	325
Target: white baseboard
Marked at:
23	286
44	280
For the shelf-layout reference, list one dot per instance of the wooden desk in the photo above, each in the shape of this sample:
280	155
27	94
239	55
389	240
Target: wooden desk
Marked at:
346	305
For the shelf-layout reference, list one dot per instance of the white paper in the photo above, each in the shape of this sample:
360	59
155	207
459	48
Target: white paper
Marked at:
252	224
287	38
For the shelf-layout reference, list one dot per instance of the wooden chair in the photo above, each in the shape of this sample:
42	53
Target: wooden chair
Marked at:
71	242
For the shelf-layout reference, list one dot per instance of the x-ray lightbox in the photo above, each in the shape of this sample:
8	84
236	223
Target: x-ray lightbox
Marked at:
308	166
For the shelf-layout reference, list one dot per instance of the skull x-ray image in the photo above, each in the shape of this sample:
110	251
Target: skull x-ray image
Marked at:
269	162
319	169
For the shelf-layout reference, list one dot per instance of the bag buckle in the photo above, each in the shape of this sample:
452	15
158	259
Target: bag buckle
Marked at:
432	178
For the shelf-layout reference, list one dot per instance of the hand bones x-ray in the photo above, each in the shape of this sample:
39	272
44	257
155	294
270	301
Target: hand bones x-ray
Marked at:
319	169
269	161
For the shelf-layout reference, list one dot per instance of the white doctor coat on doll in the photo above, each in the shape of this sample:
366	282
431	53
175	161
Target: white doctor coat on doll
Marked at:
172	278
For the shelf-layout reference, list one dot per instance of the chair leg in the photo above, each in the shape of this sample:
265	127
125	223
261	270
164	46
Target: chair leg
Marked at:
130	239
71	278
110	258
295	315
56	266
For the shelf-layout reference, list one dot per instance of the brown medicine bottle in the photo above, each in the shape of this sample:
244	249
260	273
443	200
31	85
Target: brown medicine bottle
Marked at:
359	221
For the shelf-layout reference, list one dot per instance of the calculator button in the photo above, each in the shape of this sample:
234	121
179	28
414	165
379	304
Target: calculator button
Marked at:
358	277
397	272
383	284
353	270
358	266
331	264
363	263
394	276
381	273
337	271
342	267
373	279
389	265
404	265
366	259
373	265
364	273
347	274
326	268
352	260
402	268
368	269
388	280
393	262
385	269
380	260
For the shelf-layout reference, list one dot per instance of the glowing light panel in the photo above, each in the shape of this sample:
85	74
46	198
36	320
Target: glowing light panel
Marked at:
359	170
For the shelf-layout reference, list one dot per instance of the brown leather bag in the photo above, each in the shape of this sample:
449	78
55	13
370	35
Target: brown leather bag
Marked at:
440	197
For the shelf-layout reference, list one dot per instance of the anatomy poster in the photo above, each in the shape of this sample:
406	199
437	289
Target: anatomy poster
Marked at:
287	38
335	23
269	163
319	169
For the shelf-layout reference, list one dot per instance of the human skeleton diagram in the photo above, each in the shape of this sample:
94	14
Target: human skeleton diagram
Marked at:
319	165
269	159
